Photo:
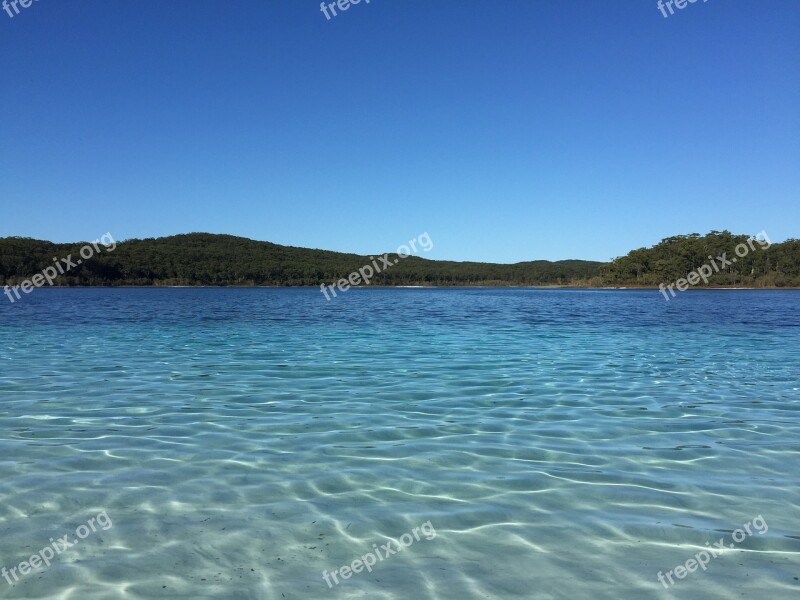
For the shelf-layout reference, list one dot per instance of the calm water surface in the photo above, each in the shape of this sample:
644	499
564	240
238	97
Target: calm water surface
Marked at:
562	444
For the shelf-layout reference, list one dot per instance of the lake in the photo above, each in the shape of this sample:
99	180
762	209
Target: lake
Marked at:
247	443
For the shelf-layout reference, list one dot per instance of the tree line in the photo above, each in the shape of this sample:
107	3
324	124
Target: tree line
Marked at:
737	260
201	259
222	260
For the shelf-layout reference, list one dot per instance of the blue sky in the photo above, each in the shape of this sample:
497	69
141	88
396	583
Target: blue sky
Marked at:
509	130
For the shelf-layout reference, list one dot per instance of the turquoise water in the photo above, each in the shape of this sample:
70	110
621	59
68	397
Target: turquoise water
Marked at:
562	444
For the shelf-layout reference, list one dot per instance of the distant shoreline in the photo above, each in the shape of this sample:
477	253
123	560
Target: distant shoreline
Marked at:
418	287
211	260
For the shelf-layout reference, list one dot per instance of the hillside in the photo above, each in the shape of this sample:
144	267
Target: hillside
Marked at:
763	264
224	260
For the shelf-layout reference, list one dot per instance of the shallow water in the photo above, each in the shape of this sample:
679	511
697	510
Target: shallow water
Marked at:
562	444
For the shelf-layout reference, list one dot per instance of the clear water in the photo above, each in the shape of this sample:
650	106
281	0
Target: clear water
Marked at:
562	444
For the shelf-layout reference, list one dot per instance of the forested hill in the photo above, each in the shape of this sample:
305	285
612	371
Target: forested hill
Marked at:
745	264
224	260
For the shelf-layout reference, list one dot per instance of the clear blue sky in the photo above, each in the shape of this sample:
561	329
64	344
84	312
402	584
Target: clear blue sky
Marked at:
509	130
